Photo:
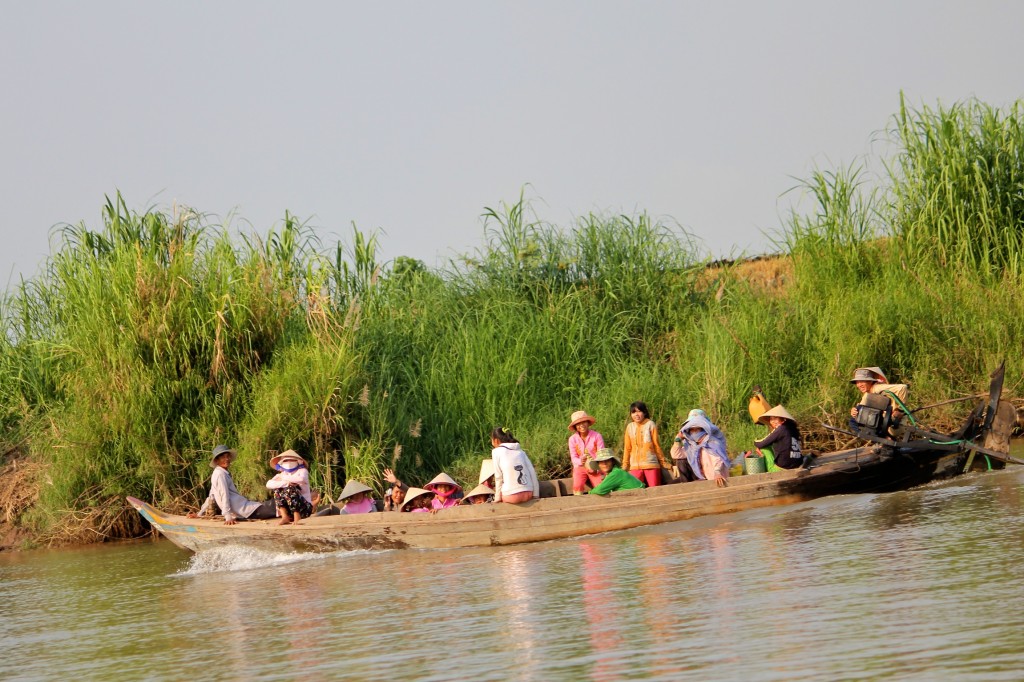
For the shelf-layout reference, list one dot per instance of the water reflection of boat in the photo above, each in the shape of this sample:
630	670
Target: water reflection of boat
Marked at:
886	463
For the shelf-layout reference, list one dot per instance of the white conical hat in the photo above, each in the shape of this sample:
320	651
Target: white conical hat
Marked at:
442	478
486	469
777	411
412	494
353	487
479	490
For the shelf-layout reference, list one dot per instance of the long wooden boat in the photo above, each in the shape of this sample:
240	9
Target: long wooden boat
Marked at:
884	464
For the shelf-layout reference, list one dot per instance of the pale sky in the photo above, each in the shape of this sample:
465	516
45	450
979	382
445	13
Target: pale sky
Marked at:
411	117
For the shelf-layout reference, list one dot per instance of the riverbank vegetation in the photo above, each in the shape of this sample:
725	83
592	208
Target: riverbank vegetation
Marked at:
159	334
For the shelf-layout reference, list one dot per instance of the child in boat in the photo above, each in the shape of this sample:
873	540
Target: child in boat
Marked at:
515	480
614	478
356	498
481	494
872	380
395	495
292	495
705	448
445	491
417	500
583	446
641	453
784	440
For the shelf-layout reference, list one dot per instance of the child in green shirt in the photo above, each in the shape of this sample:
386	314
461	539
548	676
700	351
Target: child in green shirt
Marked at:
614	478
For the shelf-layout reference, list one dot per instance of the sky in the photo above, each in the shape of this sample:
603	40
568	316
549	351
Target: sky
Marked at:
411	117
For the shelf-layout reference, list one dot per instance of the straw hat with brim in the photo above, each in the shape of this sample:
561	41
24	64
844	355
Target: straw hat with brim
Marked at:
480	490
287	454
578	417
777	411
486	469
222	450
441	479
413	494
602	455
863	374
353	488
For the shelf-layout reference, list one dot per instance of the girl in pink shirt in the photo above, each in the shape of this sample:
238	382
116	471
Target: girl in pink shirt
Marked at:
583	446
444	488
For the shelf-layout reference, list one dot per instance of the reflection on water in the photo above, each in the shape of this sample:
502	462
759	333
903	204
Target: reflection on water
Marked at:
914	585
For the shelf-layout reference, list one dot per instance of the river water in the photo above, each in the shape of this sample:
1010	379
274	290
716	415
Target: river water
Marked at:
922	584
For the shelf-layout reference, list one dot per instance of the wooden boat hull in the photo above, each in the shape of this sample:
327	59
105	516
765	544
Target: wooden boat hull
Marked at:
560	515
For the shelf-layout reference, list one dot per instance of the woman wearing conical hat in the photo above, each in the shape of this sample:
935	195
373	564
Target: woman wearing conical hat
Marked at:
292	495
784	440
583	446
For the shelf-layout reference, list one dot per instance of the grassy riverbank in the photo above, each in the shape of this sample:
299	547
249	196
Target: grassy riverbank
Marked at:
155	336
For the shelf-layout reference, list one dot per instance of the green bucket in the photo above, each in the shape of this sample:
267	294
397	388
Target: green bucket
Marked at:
754	465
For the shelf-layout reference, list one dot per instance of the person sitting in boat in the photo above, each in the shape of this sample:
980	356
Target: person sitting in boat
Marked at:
395	495
872	380
781	447
482	494
704	444
445	491
417	500
292	495
227	498
583	445
515	480
683	471
615	478
641	453
355	498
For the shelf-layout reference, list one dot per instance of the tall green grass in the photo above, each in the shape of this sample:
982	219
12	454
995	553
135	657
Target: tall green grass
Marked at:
158	335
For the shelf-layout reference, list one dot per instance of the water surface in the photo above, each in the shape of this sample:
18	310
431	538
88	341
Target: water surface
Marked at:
921	584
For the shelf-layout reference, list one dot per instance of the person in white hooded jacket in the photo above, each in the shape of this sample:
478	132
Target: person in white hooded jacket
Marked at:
515	480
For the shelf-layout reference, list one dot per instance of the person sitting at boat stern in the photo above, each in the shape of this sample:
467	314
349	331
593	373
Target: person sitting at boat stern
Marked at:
417	500
515	480
482	494
704	445
445	491
225	495
583	446
783	442
641	453
292	495
615	478
871	380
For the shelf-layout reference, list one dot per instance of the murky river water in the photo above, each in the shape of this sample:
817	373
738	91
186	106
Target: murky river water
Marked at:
924	584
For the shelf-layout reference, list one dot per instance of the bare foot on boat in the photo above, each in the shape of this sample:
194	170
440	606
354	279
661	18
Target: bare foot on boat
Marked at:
284	521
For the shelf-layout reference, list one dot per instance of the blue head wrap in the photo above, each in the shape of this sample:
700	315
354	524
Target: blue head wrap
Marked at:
707	436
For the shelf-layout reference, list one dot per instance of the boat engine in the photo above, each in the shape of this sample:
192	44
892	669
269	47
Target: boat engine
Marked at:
874	414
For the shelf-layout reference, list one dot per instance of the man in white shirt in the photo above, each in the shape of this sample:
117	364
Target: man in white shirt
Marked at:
224	493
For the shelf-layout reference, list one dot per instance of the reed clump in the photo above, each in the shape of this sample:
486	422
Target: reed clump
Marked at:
148	340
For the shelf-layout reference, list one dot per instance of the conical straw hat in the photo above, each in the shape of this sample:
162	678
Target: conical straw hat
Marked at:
412	494
442	478
353	487
777	411
287	454
486	469
480	490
